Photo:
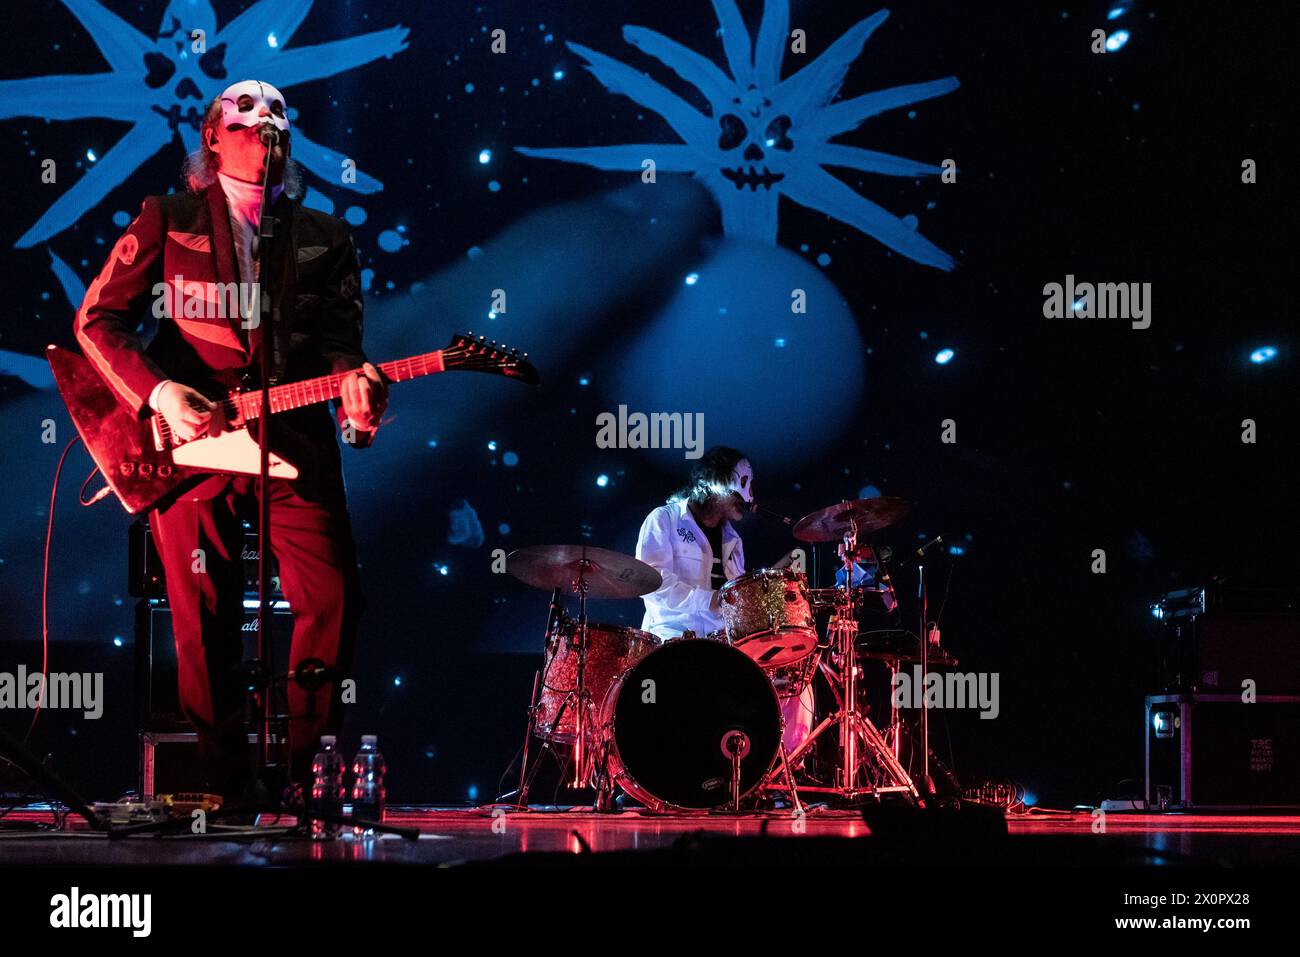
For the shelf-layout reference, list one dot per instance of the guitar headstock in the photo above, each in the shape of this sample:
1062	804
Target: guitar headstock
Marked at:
469	354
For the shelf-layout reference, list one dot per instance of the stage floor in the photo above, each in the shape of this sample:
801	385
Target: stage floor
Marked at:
564	837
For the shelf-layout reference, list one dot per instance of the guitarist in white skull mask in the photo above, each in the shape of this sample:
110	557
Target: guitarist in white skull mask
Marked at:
176	257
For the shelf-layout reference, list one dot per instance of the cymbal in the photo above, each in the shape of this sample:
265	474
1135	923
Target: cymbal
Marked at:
834	521
608	574
904	648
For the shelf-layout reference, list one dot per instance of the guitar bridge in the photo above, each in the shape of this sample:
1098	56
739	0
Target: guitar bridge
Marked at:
159	445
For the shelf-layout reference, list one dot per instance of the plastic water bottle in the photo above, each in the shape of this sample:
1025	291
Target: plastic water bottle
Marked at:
368	784
327	789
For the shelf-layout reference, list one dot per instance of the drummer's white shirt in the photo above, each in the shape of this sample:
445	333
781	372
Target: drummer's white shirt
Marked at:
674	544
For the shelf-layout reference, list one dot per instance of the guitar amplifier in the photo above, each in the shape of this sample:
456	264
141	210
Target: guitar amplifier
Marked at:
1217	654
157	696
145	577
1215	752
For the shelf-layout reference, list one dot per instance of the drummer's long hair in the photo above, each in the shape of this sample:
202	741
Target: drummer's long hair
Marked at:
710	476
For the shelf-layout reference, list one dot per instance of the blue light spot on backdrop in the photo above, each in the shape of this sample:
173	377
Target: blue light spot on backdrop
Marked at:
355	215
1263	354
944	356
751	281
1116	41
390	241
466	529
121	218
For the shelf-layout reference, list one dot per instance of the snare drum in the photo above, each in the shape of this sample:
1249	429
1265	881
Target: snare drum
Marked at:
769	617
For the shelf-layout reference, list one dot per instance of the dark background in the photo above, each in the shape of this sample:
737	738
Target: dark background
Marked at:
1073	435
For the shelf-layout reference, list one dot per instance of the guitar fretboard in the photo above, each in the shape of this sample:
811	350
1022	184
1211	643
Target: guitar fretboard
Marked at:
295	395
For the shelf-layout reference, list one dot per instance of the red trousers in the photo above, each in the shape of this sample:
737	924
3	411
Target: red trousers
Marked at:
201	543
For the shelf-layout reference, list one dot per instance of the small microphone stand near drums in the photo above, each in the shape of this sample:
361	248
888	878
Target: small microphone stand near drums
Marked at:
858	738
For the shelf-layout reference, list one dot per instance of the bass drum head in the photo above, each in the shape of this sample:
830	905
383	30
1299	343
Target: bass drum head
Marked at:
668	718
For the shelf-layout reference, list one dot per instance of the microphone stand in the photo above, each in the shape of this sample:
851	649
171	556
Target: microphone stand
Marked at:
266	334
272	777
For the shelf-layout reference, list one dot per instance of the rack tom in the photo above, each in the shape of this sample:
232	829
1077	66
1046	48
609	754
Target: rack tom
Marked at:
769	617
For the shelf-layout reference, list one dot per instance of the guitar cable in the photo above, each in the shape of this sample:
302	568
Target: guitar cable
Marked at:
45	586
102	493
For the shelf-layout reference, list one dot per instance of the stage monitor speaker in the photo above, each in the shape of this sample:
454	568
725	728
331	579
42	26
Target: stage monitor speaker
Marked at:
1215	752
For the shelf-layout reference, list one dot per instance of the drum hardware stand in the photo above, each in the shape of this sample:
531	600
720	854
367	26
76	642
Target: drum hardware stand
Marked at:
555	615
923	635
581	764
852	724
579	696
735	745
788	773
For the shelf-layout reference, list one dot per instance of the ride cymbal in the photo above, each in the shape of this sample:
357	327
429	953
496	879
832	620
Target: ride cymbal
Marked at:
865	515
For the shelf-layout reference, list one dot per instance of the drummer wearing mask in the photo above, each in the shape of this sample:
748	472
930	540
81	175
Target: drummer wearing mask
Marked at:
693	545
691	542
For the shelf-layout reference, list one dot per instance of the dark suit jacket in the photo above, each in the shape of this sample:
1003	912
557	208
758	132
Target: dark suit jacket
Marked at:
181	246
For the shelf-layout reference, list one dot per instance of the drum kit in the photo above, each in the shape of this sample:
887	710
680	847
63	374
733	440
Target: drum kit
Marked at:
724	721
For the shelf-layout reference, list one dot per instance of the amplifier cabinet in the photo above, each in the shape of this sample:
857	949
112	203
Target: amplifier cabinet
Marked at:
1215	752
157	696
1214	654
145	578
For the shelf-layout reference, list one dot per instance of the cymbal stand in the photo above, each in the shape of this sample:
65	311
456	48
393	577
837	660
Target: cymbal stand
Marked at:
924	637
581	764
855	728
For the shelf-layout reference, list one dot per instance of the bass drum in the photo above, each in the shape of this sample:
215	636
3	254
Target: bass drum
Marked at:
666	721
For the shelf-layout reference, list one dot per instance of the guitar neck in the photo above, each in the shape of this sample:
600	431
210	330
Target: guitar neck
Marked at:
295	395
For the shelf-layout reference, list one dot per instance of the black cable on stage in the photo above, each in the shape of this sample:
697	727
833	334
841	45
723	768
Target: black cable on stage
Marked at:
45	586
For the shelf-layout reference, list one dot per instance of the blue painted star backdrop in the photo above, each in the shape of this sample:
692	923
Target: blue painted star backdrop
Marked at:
481	171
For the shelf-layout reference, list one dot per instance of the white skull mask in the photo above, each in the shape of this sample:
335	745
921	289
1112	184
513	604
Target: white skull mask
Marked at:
242	102
742	481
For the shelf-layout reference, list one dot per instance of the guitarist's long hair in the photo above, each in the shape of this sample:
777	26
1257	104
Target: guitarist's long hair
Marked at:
200	168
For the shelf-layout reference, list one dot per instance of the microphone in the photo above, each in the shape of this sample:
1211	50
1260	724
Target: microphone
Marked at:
269	134
760	510
937	540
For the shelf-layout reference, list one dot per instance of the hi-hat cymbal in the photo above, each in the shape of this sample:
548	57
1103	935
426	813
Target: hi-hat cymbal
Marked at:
608	574
902	646
866	514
